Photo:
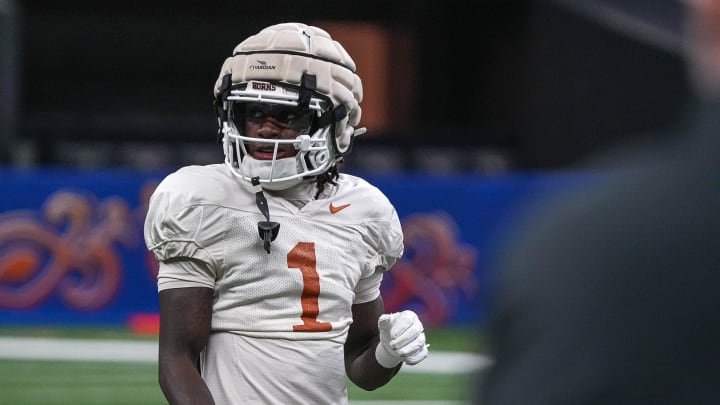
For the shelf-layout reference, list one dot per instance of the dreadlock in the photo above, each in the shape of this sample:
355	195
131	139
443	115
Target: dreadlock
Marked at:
328	177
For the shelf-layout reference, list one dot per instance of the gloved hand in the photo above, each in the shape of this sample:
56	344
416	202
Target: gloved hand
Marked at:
402	339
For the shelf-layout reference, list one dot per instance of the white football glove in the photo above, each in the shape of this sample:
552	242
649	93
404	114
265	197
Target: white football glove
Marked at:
402	339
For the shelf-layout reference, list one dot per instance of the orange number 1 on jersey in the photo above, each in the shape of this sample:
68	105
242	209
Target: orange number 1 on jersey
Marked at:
302	257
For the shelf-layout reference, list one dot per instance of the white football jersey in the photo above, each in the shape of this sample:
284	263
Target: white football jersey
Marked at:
328	254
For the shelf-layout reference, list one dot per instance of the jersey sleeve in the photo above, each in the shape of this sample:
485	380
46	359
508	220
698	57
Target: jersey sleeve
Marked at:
182	225
368	288
184	273
384	238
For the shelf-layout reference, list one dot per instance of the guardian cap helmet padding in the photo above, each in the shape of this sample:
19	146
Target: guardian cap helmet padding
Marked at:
296	66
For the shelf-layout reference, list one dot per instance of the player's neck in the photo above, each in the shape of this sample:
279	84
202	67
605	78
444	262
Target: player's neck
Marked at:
299	194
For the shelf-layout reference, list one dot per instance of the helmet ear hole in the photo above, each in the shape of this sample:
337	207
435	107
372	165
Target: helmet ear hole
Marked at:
321	157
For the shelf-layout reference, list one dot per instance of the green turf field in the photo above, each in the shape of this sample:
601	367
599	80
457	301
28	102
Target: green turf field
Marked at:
84	383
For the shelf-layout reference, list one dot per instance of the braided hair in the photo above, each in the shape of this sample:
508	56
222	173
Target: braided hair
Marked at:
329	176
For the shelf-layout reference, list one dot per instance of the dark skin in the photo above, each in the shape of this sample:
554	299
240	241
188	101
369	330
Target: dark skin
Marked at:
363	337
185	315
270	127
184	330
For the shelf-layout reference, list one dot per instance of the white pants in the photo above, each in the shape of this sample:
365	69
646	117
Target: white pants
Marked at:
242	370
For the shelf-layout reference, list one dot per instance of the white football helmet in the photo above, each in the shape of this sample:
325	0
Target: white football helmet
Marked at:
300	72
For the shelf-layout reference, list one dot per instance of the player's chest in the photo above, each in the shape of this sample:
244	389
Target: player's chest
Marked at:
303	250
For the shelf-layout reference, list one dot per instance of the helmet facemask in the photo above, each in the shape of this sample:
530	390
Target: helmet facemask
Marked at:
314	146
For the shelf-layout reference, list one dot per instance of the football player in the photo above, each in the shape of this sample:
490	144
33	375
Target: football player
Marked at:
271	263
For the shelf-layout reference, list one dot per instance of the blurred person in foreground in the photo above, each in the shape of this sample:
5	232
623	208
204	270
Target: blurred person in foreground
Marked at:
271	263
610	296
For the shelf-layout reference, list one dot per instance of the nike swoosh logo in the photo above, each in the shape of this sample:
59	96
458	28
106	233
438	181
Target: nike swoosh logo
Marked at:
335	210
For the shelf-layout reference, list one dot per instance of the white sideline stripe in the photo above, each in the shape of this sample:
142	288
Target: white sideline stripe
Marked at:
437	362
77	349
450	363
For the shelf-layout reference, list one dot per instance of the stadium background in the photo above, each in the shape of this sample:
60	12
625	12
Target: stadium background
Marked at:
475	110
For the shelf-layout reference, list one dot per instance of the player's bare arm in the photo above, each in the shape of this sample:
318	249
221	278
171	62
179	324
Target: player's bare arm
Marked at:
363	337
184	329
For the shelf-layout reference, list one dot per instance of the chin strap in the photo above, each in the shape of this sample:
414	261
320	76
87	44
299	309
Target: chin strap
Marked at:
268	230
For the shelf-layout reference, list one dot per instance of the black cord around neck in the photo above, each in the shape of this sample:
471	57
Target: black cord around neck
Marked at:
267	229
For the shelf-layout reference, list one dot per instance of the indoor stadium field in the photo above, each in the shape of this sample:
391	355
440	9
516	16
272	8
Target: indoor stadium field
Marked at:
113	366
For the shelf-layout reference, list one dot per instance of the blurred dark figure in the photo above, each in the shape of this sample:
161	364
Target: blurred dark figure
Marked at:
612	295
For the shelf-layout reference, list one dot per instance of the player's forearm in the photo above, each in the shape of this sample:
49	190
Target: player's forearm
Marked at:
182	384
365	372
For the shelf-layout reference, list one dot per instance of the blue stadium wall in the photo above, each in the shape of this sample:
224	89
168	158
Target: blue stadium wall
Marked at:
72	250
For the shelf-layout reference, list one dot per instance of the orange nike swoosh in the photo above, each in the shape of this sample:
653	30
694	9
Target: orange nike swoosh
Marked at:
335	210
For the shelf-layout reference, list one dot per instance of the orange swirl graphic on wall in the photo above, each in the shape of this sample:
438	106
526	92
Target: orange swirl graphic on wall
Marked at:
65	250
436	266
